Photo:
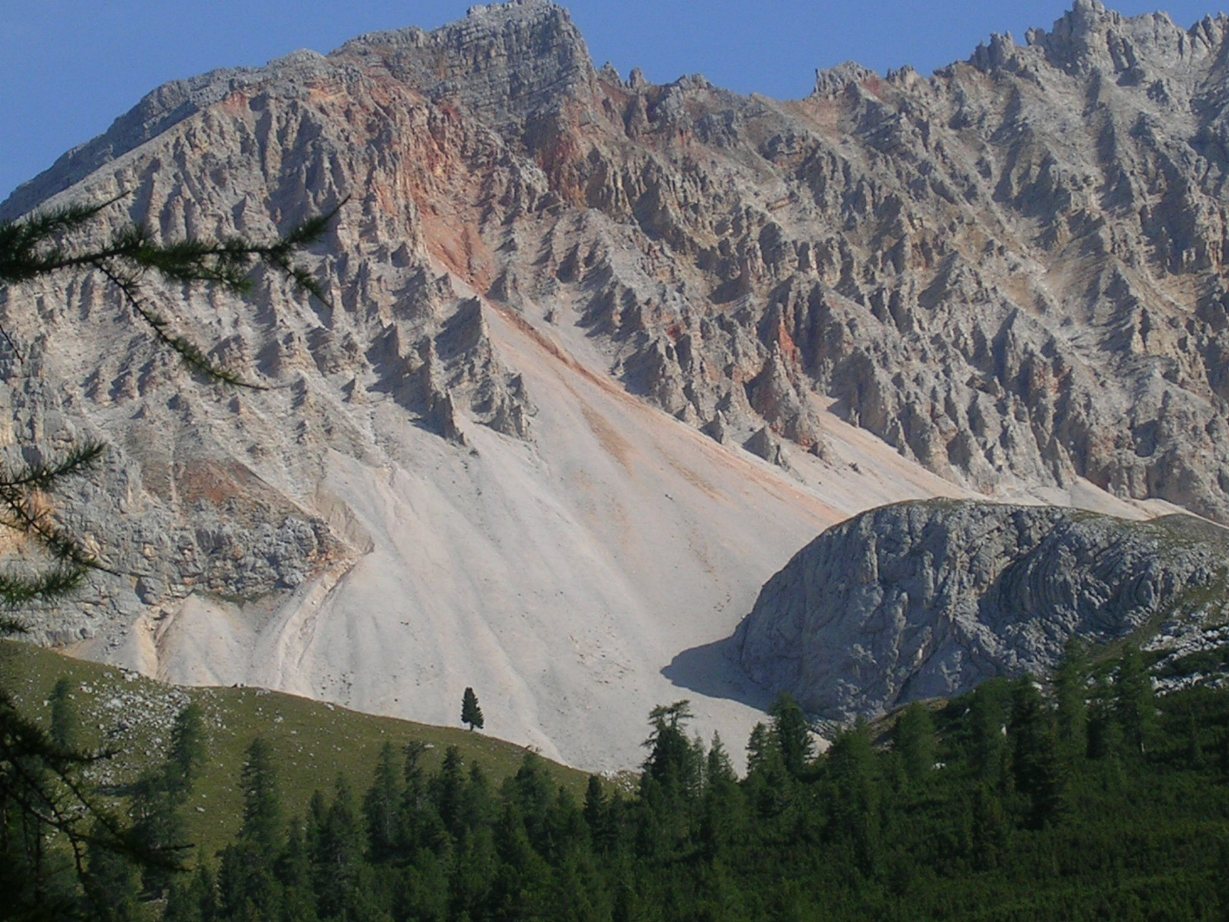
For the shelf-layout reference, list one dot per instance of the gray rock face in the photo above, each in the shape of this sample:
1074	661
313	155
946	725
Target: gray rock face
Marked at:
924	600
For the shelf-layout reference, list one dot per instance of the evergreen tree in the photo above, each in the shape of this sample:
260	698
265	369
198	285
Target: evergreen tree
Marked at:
471	713
294	872
531	791
1034	755
337	856
792	734
760	750
855	801
595	806
1071	700
768	784
418	823
382	805
1105	740
915	741
722	819
988	713
158	826
447	786
990	828
194	900
110	884
158	797
477	802
843	844
248	885
523	878
1134	701
672	762
262	804
188	748
64	724
669	783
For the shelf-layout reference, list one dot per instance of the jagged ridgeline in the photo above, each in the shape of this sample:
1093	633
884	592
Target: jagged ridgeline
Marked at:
1006	278
1009	269
929	599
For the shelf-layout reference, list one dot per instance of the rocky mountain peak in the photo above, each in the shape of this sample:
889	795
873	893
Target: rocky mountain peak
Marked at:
833	80
1091	37
504	62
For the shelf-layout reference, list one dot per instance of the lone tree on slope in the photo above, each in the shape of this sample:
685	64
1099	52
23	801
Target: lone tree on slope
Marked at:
470	712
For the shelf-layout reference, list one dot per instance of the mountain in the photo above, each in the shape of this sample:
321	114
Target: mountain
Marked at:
928	599
598	356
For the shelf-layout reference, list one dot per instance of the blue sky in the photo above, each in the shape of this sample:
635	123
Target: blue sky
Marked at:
72	66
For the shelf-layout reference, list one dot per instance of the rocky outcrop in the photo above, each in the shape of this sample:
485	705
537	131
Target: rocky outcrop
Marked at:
927	599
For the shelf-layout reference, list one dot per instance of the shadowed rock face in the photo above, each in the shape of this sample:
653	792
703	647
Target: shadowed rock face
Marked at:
926	600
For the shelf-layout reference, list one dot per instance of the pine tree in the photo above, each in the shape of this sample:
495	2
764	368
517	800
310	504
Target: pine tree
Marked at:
247	881
471	713
988	713
381	806
722	813
294	873
64	727
110	885
792	734
1034	754
447	786
195	900
262	805
915	741
855	802
188	749
672	759
768	783
1071	700
158	825
1134	701
338	852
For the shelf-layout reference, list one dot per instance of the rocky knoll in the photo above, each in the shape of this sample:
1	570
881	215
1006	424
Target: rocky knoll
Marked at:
927	599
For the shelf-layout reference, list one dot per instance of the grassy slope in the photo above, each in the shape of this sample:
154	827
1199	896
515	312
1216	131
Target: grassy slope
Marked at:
313	741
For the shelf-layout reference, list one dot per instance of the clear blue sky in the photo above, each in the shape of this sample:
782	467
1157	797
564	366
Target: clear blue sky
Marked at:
72	66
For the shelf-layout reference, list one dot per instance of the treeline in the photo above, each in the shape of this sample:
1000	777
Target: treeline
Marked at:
1083	799
1087	799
